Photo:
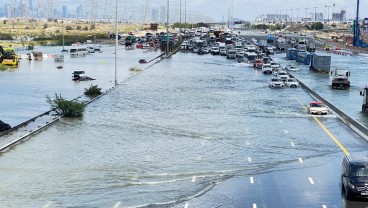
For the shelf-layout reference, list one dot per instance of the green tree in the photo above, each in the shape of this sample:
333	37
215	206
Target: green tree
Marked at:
68	27
68	108
92	27
317	26
45	26
79	27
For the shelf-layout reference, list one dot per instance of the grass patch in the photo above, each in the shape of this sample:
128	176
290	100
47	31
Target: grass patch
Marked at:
135	68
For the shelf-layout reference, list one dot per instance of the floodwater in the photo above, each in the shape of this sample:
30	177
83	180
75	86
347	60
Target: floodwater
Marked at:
165	136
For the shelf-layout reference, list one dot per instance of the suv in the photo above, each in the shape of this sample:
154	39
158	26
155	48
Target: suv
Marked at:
354	177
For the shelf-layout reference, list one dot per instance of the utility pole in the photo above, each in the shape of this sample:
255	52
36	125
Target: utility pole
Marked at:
180	20
116	42
328	22
291	18
167	29
315	19
297	15
306	13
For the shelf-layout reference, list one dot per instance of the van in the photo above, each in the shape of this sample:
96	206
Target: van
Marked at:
354	177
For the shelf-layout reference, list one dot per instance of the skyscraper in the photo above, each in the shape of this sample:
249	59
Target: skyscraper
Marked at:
64	11
154	14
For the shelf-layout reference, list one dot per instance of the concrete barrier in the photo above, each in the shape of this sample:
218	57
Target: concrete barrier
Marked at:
357	127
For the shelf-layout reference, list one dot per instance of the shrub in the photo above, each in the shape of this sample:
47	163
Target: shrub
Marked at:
45	26
93	91
79	27
68	108
68	27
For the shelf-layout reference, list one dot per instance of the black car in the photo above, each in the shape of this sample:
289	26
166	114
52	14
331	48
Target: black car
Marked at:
354	177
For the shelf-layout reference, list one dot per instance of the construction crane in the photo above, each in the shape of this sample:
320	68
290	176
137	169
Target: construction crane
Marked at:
357	40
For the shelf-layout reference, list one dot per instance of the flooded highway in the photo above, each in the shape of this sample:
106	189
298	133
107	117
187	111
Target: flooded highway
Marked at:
191	131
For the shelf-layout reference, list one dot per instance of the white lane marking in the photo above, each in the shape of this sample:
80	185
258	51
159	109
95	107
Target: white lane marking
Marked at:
47	205
247	144
311	180
251	180
249	159
118	204
301	160
194	179
281	121
324	206
186	205
292	144
254	205
286	132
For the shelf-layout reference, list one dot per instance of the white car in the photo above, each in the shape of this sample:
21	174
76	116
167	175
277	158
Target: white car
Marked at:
266	69
283	75
317	108
274	64
291	67
292	82
276	83
215	50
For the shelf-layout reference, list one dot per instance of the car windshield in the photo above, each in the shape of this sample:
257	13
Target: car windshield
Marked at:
291	80
317	105
359	171
275	80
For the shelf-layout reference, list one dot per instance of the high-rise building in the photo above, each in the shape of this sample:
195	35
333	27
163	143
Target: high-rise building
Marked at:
154	14
30	7
162	14
319	16
64	11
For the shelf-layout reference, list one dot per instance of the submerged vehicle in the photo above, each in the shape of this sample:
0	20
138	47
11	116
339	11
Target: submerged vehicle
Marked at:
317	108
8	57
340	79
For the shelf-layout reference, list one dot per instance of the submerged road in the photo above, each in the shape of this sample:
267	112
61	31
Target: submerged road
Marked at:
192	131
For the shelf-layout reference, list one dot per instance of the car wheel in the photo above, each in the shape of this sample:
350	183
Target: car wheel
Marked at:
347	194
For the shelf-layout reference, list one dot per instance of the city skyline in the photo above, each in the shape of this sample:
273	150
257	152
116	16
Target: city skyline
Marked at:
200	10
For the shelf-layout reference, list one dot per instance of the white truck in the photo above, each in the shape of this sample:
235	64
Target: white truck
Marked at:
340	79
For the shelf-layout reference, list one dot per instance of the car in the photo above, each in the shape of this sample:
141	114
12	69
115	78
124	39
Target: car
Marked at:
283	75
291	67
276	83
292	82
206	50
317	108
354	177
274	64
266	69
215	50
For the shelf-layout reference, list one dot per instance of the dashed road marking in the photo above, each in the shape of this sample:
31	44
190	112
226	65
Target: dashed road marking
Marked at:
281	121
47	205
251	180
186	205
249	159
254	205
324	206
118	204
311	180
247	143
194	179
300	160
286	132
292	144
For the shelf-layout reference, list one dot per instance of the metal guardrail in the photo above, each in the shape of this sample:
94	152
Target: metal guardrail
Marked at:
54	119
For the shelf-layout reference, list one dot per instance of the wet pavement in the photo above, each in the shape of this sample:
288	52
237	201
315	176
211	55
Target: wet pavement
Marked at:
191	131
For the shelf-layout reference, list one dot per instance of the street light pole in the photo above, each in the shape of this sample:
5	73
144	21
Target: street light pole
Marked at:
306	13
116	43
180	21
167	29
291	18
315	19
328	22
297	15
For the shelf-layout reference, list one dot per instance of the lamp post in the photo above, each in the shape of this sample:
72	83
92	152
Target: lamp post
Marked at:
167	29
315	19
328	22
306	13
291	18
297	15
116	42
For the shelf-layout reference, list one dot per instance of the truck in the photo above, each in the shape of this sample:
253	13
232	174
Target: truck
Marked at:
365	99
281	44
270	38
262	43
320	63
311	46
340	79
